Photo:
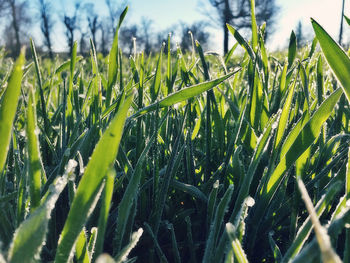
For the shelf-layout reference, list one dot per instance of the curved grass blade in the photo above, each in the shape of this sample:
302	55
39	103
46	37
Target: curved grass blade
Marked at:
336	57
113	60
254	26
102	158
130	193
35	168
29	237
236	245
216	224
305	230
292	49
323	239
123	255
305	138
184	94
105	205
8	107
241	41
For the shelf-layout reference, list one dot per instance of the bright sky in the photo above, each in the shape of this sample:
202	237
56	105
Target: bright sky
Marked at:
166	13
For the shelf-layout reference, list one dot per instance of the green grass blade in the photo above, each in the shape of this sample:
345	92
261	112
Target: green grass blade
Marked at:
305	229
184	94
105	206
8	107
254	26
35	168
241	41
236	245
305	138
247	180
282	124
323	239
122	256
336	57
29	237
81	252
292	50
113	60
102	158
216	224
38	74
129	196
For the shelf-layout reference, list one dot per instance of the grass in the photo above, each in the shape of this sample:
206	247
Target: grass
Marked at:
177	157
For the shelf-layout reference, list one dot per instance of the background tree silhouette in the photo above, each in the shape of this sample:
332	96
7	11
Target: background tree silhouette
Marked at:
237	13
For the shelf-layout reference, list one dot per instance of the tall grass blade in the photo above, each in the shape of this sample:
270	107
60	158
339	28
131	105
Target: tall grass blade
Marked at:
8	107
184	94
324	242
102	158
216	225
30	236
113	60
292	50
241	41
305	138
336	57
105	206
236	245
123	255
35	168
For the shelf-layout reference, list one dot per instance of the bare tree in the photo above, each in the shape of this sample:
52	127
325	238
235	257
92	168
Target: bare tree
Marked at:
46	24
237	13
104	36
93	21
146	29
19	19
114	11
126	36
198	33
71	24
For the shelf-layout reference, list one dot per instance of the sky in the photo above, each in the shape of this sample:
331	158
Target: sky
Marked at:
166	13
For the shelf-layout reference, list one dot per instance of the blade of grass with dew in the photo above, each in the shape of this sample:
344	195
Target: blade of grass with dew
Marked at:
305	229
254	26
189	189
35	168
248	177
130	195
8	107
123	255
308	134
102	158
30	236
305	138
236	245
81	252
282	124
113	60
323	239
292	49
216	225
184	94
241	41
104	212
41	91
311	251
336	57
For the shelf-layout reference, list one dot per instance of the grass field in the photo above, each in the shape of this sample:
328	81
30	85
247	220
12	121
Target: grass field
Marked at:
177	157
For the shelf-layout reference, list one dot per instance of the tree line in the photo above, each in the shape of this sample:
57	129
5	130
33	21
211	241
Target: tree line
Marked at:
84	22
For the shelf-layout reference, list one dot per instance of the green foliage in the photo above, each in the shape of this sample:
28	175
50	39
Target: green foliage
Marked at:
177	157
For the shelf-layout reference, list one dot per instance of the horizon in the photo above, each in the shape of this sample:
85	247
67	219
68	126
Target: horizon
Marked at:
326	12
